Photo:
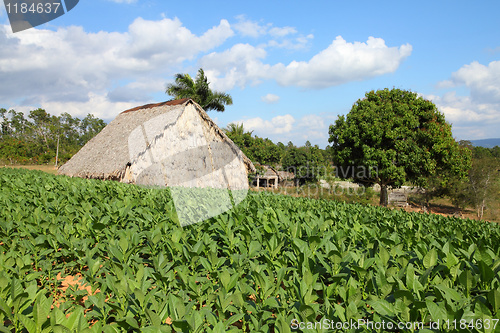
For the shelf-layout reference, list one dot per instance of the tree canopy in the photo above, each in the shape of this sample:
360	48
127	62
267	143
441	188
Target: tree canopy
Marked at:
34	139
394	136
199	91
258	150
307	163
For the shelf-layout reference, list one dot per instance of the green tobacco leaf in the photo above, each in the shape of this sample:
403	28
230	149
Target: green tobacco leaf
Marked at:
494	299
234	318
123	242
41	310
382	307
485	272
449	293
451	260
466	280
153	318
282	325
437	312
307	313
272	303
430	259
61	329
76	320
339	312
254	248
231	268
384	256
219	328
28	323
129	321
225	278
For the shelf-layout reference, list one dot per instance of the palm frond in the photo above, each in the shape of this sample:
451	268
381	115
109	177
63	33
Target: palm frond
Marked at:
198	90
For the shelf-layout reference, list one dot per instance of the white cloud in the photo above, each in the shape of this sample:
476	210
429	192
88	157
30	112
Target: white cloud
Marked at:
312	127
69	64
342	62
277	125
297	43
470	120
476	115
282	32
98	105
238	66
270	98
483	81
250	28
135	91
167	41
281	36
339	63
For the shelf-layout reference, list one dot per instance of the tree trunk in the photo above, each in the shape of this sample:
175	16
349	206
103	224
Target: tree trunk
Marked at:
57	150
384	197
483	204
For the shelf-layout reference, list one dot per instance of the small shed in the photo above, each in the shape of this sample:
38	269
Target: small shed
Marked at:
285	178
273	178
270	178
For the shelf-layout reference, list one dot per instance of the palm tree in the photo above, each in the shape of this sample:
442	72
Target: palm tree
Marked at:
199	91
235	129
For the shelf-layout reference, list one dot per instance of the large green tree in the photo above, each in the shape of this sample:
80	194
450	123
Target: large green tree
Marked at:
199	91
393	136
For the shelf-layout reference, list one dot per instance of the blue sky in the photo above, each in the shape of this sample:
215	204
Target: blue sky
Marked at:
291	67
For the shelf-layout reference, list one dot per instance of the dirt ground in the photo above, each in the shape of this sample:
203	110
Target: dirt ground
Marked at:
45	168
449	210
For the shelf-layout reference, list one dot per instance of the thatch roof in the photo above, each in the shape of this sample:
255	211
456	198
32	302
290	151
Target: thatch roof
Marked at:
107	155
272	173
285	175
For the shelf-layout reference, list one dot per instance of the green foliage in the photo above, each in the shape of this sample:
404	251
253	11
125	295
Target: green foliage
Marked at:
401	136
258	150
482	187
199	91
307	163
271	260
34	140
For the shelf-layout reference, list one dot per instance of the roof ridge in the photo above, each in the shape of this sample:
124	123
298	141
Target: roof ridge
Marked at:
171	102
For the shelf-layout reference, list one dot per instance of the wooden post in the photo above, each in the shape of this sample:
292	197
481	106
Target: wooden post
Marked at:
57	150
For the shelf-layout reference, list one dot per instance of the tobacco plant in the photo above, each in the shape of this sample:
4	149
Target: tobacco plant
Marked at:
271	261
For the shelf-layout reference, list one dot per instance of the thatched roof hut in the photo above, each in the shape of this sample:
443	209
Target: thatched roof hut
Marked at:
173	143
273	178
268	179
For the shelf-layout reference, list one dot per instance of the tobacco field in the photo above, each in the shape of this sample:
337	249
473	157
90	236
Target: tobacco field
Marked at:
257	268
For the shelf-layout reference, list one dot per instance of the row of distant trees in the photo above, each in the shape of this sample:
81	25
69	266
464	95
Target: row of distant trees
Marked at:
38	137
305	160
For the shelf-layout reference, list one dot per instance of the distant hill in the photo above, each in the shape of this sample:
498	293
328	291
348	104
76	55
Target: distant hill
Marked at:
486	143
